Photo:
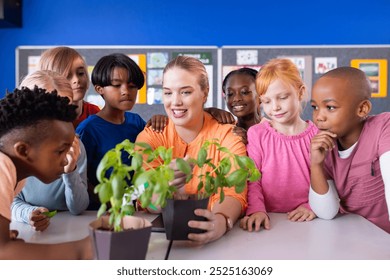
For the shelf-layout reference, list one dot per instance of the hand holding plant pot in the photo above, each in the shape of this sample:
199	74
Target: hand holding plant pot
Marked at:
231	172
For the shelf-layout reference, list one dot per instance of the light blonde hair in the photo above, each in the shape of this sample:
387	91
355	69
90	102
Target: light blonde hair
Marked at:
283	69
48	80
60	60
192	65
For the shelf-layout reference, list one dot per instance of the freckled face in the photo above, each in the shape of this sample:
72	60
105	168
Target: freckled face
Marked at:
281	103
240	95
183	97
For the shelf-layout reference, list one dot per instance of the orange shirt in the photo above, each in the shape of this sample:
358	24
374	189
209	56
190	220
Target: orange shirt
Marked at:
9	188
211	129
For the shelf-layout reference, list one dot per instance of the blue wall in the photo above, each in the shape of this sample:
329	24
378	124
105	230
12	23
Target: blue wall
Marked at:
193	22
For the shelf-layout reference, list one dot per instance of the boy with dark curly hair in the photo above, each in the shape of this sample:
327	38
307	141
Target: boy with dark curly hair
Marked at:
36	133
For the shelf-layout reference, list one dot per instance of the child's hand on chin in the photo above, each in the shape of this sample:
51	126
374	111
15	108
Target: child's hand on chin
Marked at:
321	143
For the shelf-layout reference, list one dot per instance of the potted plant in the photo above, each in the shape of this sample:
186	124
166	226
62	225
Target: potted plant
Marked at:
212	180
116	234
120	183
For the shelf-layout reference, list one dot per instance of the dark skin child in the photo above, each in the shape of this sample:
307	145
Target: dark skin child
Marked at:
46	161
340	108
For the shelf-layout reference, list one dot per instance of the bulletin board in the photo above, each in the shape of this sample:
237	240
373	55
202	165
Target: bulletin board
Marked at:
151	59
313	61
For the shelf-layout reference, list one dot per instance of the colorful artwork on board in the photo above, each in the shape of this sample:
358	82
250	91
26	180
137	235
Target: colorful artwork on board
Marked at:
376	71
324	64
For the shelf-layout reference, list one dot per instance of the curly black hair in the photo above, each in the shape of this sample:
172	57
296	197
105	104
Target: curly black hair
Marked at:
25	107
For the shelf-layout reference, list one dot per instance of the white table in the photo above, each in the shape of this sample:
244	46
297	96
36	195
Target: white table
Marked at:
345	237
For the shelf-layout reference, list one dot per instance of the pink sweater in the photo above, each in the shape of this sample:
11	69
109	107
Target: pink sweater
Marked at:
284	163
358	178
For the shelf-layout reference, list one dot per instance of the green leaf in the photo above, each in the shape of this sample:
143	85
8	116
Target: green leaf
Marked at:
224	149
221	196
145	198
136	161
183	166
208	185
102	210
105	163
217	182
237	177
49	214
201	157
151	157
256	175
118	185
111	219
225	166
168	156
240	187
117	223
245	162
189	178
97	188
240	161
163	153
141	178
128	209
143	145
105	193
200	186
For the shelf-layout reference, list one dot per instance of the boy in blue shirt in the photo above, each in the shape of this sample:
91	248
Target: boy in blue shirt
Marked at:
117	78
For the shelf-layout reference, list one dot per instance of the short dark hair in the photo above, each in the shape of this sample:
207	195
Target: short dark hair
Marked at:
102	72
242	71
26	107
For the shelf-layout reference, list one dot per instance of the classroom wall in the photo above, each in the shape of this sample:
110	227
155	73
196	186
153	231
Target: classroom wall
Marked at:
193	22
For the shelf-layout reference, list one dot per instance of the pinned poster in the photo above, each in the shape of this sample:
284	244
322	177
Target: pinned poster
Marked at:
247	57
140	59
324	64
33	61
376	71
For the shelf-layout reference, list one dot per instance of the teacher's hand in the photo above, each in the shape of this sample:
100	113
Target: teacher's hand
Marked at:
215	227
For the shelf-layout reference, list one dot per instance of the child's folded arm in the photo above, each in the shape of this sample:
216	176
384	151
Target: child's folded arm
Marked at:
325	206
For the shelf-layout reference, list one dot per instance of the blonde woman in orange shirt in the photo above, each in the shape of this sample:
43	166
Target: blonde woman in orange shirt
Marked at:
185	91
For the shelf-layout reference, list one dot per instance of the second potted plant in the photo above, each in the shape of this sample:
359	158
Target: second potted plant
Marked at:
213	179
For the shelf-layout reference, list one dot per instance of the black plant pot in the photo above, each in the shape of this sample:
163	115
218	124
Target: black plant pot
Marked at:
129	244
176	215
